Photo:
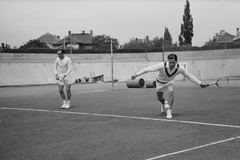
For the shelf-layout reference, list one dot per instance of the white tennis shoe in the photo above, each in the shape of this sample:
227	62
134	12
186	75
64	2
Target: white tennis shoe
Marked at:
169	114
64	104
67	105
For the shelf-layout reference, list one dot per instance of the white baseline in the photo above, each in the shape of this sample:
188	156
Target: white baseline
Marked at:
119	116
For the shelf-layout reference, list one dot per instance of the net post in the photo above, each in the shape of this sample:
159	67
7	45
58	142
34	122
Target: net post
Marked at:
112	65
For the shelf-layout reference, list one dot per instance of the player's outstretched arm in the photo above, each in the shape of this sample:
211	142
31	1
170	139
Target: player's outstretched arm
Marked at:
152	68
134	76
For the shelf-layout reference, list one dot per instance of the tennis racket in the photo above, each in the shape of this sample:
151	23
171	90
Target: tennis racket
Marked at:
61	80
221	82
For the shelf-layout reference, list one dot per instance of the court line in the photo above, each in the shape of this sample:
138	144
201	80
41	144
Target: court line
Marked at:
119	116
90	91
194	148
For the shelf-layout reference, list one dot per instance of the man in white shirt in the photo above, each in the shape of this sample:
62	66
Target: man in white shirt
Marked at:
165	80
63	71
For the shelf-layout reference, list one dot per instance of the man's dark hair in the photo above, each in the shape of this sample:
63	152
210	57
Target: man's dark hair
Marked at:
60	51
172	56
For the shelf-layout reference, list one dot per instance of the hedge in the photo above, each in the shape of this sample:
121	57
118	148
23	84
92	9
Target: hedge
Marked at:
107	51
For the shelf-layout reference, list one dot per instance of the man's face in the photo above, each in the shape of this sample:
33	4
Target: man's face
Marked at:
172	63
60	55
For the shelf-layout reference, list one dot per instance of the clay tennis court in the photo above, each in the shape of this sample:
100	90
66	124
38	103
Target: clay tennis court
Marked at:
119	124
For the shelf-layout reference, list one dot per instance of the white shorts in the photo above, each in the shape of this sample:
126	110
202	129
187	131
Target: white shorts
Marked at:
65	81
162	87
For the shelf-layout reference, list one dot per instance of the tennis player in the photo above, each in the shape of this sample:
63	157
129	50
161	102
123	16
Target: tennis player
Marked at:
165	80
63	70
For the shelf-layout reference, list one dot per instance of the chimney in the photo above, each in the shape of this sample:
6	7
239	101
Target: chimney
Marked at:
69	33
222	32
91	32
238	34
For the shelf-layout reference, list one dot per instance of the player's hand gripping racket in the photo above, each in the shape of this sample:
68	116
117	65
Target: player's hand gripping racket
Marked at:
221	82
62	80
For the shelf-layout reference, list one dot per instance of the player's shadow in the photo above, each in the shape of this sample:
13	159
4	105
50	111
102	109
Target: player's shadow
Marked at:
71	107
163	115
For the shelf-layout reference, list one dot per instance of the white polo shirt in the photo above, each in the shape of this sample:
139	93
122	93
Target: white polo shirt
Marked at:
63	66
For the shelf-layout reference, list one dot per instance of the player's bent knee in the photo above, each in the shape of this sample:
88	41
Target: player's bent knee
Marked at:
171	87
68	88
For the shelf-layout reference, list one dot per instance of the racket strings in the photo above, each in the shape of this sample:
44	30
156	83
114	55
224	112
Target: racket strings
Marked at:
222	82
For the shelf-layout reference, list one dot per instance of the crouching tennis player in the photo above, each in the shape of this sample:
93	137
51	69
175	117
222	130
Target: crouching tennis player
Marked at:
165	80
62	70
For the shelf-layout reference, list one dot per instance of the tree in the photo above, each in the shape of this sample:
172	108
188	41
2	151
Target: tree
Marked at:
157	42
210	42
167	37
186	34
34	44
135	43
180	39
103	42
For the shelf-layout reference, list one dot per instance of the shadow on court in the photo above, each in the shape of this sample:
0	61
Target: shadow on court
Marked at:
119	124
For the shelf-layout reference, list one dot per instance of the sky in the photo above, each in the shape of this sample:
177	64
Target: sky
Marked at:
23	20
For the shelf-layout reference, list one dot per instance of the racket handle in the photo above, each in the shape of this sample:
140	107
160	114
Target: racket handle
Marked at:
210	84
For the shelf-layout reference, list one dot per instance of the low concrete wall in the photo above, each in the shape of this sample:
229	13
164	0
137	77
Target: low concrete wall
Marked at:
26	73
29	69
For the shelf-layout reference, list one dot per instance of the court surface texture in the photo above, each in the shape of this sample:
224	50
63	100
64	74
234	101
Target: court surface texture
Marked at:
119	124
